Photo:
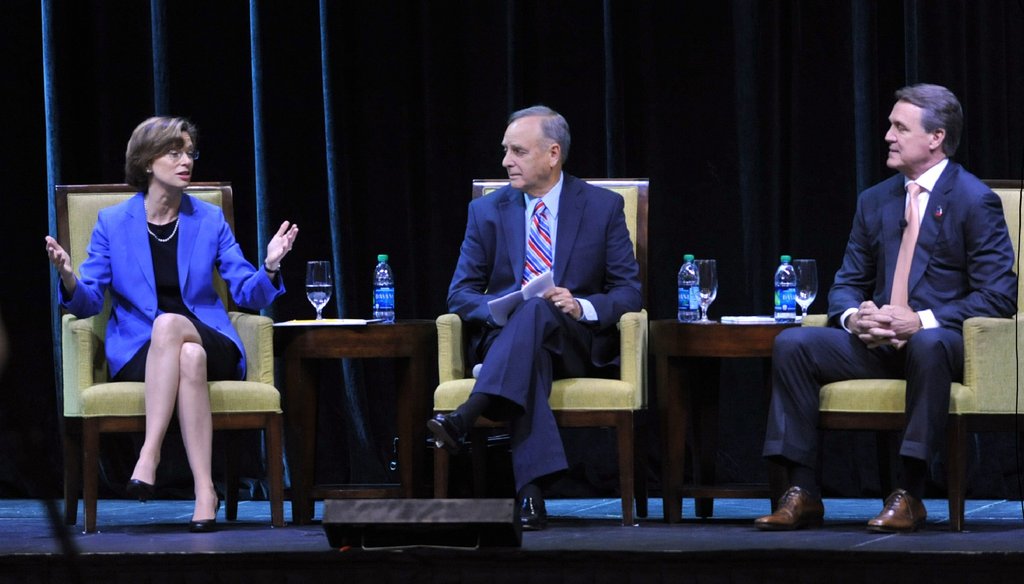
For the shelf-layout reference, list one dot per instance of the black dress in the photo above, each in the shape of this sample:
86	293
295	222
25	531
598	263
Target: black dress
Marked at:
222	356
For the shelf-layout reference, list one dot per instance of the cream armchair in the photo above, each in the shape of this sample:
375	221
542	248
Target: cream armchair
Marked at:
92	404
986	400
578	402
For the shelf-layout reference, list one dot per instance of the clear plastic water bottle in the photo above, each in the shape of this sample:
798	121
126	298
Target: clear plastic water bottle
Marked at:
383	290
689	291
785	291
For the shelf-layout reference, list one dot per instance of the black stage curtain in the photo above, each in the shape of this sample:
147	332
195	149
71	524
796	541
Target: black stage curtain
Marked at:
757	123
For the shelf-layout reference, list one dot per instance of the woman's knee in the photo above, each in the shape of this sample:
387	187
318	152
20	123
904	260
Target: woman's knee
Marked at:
170	329
192	361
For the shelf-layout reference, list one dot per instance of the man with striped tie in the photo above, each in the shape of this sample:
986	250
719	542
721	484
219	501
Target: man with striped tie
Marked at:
544	220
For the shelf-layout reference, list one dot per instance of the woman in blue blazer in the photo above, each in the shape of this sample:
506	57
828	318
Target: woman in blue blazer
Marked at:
155	254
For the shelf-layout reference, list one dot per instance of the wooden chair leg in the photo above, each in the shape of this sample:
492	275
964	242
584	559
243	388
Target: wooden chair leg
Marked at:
90	470
956	480
640	463
441	467
231	482
625	438
72	468
478	460
885	447
275	469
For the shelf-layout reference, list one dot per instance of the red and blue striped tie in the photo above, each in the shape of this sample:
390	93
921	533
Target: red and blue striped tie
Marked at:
538	244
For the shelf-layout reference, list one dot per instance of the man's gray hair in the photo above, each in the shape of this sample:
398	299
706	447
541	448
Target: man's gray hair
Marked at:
554	126
940	109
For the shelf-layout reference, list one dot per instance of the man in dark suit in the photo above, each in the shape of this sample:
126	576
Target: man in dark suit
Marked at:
929	248
544	220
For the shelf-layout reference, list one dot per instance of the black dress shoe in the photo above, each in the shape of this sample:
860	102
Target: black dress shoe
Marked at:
143	490
447	432
205	525
532	514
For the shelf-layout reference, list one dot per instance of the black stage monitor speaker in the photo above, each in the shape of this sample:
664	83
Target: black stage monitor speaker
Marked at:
381	523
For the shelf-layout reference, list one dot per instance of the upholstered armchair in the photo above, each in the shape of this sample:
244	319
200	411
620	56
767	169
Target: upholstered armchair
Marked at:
988	399
93	404
578	402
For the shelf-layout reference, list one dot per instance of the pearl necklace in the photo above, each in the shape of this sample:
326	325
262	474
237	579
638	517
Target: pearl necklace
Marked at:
145	207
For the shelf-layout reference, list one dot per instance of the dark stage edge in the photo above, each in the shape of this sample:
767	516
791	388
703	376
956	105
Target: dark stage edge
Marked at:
147	543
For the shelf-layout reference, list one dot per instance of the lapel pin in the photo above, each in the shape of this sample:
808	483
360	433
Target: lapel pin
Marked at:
938	212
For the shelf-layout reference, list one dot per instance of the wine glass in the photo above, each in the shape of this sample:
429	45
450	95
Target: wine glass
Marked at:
707	271
319	285
806	283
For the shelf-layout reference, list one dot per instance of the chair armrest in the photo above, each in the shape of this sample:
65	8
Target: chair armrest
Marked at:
633	351
257	333
451	358
815	320
84	361
990	359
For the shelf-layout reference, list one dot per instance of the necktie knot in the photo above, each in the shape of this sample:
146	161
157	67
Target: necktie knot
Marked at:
914	189
541	209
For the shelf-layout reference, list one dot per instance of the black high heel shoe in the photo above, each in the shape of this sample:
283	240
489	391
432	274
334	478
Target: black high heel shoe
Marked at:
141	489
205	525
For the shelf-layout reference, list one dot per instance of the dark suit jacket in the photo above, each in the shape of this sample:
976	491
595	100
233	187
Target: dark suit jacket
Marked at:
593	257
120	261
963	263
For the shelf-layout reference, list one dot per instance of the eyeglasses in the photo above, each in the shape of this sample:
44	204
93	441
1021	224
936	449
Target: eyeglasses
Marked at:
175	155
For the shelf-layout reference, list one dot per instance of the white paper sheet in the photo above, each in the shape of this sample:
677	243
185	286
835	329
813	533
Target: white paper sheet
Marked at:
502	307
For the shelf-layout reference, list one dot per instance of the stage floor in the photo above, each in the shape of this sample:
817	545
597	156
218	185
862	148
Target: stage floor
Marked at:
584	542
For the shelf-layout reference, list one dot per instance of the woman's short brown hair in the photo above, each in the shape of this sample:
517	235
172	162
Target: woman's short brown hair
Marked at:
152	139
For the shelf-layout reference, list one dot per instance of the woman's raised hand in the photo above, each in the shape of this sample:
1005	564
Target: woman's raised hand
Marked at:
62	261
281	244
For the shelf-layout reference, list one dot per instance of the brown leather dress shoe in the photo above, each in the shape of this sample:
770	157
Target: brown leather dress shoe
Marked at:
796	509
903	513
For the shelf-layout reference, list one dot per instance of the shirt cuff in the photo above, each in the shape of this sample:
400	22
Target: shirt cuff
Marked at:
844	316
928	319
589	313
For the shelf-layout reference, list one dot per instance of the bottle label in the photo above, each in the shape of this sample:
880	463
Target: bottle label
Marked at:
383	298
785	299
689	298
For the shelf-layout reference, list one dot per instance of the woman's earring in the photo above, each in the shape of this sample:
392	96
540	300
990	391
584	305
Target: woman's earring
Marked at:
149	171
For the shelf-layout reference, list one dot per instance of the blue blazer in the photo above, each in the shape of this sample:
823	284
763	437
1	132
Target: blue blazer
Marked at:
120	261
593	257
963	263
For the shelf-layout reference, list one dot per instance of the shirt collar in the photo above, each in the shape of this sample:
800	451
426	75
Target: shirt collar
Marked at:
929	177
550	199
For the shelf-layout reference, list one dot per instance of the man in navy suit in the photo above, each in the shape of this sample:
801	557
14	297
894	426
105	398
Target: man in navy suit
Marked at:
571	330
883	325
